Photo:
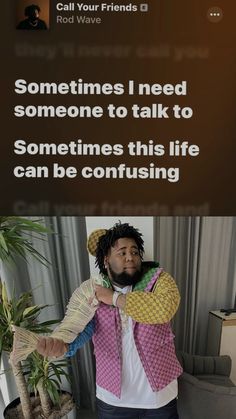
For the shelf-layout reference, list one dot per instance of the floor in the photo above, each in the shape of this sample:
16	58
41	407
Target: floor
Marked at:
86	414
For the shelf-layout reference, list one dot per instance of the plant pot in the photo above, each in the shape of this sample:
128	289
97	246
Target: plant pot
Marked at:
13	410
7	380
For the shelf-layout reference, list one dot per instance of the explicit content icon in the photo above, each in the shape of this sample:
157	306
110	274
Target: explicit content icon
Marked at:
215	14
143	7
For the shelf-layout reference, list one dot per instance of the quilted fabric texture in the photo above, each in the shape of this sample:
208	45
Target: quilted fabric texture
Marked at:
108	348
141	285
154	342
158	306
93	240
157	353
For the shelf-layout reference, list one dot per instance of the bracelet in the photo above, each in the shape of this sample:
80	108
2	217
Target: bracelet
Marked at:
115	296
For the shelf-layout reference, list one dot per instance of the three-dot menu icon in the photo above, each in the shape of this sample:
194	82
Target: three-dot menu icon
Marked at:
215	14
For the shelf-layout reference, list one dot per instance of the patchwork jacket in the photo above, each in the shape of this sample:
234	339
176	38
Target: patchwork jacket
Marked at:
151	305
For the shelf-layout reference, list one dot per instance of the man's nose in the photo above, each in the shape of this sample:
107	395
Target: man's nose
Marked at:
129	256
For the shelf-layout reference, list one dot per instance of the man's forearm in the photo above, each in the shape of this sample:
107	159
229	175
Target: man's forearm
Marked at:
81	339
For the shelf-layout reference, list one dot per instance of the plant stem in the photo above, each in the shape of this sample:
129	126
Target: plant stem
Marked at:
22	390
45	399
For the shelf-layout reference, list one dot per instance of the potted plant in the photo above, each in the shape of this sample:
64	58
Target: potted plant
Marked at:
44	377
38	372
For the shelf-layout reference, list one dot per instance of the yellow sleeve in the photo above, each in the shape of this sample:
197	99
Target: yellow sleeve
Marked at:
156	307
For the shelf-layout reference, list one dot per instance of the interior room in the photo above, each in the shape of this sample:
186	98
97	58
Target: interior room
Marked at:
198	252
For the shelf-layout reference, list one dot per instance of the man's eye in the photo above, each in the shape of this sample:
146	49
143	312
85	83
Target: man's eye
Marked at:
121	253
133	253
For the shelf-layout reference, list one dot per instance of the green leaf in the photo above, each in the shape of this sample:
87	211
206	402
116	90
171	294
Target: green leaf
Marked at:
30	310
3	243
55	371
57	384
61	363
39	330
4	293
24	299
53	392
49	322
16	240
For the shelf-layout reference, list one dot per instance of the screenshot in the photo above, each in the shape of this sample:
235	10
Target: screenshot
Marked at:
117	209
118	108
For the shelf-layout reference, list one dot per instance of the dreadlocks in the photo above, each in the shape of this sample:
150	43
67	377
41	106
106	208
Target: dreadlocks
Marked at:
105	242
30	9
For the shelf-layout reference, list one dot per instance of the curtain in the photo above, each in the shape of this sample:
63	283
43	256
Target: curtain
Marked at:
199	252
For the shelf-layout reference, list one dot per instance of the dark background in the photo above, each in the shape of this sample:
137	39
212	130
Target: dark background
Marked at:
138	46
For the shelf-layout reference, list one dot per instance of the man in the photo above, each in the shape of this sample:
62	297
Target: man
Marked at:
32	22
136	366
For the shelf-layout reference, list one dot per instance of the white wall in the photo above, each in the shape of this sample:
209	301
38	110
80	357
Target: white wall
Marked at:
144	224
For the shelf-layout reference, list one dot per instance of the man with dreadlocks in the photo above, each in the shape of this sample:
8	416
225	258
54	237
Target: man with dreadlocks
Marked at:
32	21
136	365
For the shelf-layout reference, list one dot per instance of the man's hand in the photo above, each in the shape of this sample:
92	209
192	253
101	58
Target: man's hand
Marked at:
104	294
51	347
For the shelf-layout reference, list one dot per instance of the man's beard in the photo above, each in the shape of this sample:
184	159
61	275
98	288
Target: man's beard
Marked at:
125	279
33	18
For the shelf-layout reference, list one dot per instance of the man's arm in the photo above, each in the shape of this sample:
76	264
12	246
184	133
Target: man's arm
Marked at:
155	307
81	339
73	326
52	347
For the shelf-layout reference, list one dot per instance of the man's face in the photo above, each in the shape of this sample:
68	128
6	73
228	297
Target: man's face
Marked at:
123	262
34	15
